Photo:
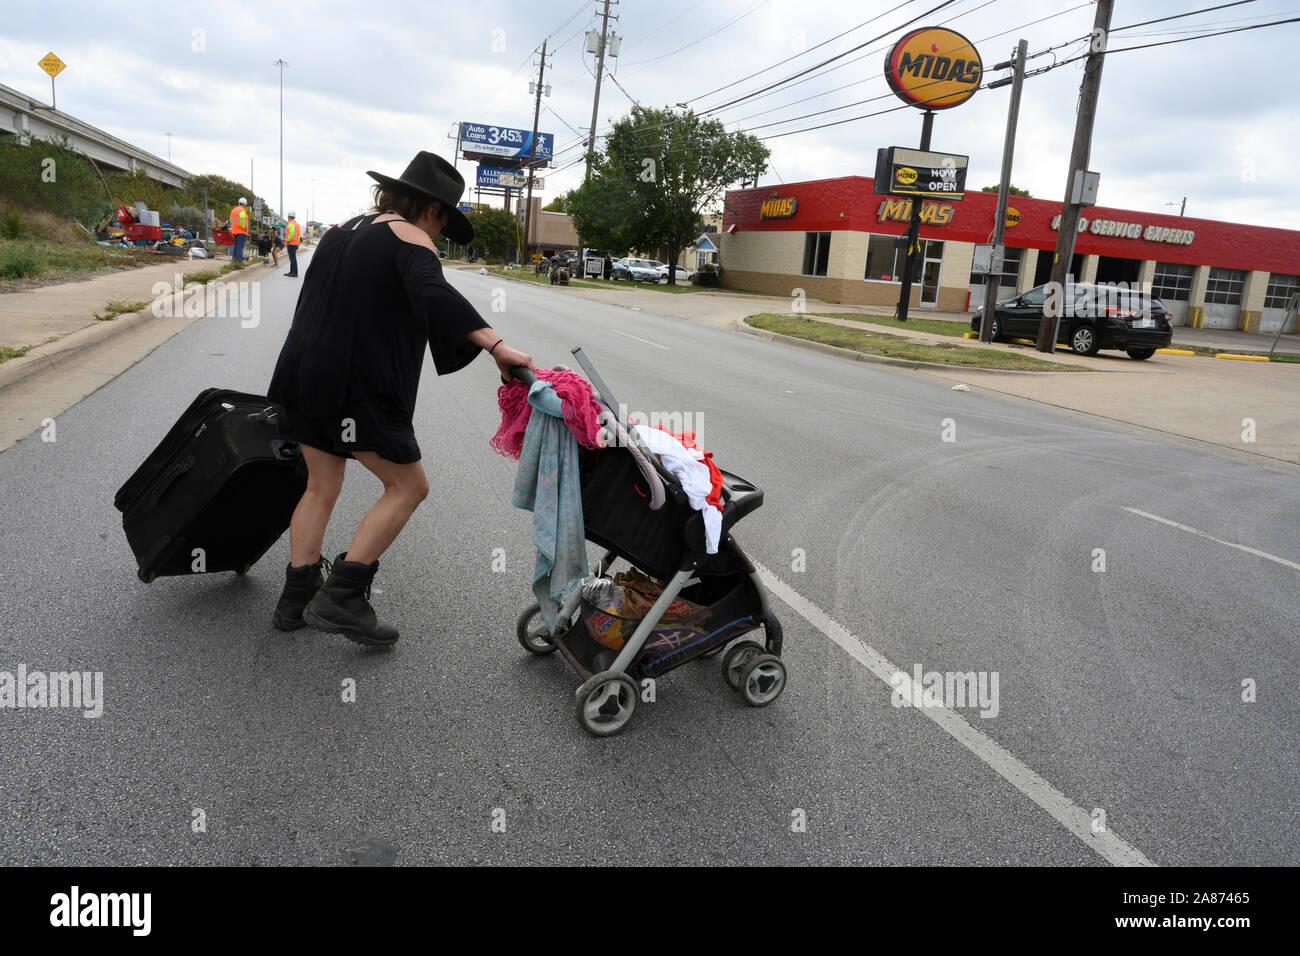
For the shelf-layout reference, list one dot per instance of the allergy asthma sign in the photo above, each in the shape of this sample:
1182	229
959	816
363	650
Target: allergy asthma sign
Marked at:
933	68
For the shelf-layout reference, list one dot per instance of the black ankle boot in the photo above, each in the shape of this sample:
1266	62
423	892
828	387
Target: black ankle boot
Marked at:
300	586
342	605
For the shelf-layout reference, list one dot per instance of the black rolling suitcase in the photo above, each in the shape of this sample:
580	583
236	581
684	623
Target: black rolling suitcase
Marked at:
217	492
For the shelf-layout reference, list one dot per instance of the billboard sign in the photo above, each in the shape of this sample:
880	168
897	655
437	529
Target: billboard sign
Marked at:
505	141
901	171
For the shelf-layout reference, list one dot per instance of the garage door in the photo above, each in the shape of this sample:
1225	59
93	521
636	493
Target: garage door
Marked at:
1280	303
1172	285
1223	298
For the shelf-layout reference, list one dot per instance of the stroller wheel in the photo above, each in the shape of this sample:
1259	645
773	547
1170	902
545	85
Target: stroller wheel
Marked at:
531	631
605	703
739	655
763	680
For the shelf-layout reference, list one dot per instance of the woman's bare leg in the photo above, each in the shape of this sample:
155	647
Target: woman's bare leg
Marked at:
405	486
307	527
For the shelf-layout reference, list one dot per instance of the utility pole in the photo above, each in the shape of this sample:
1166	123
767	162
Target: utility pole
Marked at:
595	102
281	64
993	279
913	230
1070	210
532	153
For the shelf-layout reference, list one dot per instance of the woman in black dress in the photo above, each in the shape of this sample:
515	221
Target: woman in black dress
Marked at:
373	299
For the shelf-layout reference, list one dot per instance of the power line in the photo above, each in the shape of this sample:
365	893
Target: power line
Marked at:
801	52
1180	16
663	56
945	3
869	79
671	20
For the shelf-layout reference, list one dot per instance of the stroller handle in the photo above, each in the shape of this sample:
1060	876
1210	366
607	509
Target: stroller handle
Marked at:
523	375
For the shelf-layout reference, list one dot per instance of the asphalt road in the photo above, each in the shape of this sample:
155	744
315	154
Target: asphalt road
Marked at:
1120	692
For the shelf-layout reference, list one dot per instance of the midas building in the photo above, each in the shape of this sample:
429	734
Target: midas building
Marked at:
839	241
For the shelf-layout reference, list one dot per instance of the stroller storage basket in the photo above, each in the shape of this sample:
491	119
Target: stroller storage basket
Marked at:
602	629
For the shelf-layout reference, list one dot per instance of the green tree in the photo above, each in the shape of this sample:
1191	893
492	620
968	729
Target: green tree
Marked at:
659	168
1011	191
557	204
495	231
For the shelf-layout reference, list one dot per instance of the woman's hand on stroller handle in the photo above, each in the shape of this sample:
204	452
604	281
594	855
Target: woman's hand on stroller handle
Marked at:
511	361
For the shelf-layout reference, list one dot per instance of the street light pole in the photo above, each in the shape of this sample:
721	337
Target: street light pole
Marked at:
282	65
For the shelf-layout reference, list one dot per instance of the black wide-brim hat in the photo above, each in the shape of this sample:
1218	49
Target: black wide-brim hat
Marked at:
432	176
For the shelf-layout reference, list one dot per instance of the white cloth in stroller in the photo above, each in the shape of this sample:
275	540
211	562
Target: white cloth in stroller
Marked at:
692	474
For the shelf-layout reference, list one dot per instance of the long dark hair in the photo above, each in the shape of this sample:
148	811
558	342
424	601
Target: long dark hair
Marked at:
406	202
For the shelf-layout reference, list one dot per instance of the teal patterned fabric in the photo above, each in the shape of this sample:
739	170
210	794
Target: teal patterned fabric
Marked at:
547	485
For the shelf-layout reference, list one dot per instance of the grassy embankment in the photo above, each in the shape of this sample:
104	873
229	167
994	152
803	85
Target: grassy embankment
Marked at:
895	346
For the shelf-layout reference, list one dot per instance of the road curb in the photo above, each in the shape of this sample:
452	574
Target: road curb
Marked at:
45	356
853	355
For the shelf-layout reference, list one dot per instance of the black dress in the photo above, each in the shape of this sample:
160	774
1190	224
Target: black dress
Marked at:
349	370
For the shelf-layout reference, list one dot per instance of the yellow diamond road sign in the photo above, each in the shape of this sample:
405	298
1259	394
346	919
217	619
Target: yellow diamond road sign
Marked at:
52	65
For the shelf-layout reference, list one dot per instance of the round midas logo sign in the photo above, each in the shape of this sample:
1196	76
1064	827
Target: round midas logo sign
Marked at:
1013	217
934	68
905	175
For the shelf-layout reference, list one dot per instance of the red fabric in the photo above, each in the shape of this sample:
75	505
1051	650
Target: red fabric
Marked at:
715	476
580	411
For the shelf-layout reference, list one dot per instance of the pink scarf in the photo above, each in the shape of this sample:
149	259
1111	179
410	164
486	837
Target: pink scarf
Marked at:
580	411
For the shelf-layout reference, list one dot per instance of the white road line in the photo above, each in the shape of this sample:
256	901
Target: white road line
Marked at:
643	341
1240	547
1060	807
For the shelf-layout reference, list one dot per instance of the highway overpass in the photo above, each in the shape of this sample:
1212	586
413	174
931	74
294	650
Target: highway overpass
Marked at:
29	119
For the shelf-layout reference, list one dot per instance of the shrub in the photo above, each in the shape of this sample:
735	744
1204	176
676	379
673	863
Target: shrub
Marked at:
19	262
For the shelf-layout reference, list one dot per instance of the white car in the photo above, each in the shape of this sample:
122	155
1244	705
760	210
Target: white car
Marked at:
682	275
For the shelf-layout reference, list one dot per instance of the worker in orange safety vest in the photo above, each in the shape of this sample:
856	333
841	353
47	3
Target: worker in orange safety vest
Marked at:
239	228
292	236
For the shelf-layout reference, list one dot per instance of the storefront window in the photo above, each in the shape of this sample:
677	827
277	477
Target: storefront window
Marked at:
1173	281
816	253
1224	287
886	256
880	258
1280	289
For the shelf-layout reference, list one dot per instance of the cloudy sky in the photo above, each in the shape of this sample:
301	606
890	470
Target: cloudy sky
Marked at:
368	85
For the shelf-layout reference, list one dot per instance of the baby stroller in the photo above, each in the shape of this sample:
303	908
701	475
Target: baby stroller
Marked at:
637	511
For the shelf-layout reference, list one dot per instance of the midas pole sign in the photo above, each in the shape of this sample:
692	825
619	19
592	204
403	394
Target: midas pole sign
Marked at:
934	68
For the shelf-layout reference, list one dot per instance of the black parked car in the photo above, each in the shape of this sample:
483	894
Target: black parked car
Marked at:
1093	317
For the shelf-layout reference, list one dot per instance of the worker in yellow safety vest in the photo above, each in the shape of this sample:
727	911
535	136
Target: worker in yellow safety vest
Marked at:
292	236
239	228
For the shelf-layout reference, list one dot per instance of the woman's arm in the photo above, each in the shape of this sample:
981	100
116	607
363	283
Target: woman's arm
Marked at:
505	356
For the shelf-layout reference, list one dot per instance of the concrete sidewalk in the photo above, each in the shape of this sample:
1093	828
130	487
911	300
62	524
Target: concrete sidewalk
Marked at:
52	311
